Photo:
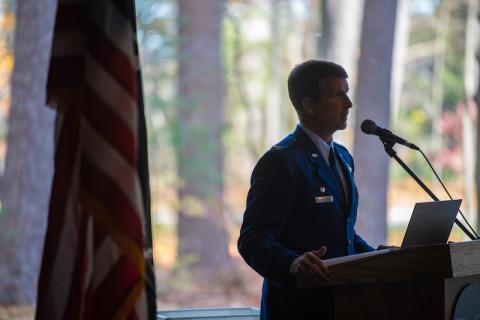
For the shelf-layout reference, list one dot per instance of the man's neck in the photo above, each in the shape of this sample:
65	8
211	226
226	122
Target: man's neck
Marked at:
326	136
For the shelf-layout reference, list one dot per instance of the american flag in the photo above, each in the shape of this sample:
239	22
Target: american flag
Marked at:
96	247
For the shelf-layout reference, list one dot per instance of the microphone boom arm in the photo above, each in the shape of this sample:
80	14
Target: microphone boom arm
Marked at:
388	144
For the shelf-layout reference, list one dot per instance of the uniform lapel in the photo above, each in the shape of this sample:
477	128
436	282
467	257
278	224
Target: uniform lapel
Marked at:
321	166
348	174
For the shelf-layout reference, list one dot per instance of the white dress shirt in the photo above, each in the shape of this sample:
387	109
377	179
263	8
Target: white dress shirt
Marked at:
324	149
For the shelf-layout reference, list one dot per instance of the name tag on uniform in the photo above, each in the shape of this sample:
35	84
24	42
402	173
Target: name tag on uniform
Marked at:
324	199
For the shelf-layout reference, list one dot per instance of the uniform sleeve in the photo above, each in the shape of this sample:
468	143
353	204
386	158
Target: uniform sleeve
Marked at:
269	204
361	245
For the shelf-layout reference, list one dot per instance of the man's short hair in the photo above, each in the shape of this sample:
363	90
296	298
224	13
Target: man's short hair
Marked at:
304	79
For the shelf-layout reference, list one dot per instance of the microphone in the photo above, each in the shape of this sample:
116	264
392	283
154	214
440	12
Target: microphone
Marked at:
370	127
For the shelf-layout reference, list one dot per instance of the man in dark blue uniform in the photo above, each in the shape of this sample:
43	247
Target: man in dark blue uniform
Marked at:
302	203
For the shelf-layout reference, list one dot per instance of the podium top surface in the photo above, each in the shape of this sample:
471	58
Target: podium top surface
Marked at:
392	265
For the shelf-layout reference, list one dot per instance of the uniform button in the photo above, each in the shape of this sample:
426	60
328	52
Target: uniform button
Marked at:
349	242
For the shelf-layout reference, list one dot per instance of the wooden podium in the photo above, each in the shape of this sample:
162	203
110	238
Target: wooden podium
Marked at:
420	282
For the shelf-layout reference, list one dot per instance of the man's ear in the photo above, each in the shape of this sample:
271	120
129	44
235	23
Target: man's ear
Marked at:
307	106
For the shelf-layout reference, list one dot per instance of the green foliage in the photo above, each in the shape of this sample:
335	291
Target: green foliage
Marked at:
453	79
157	36
416	126
434	85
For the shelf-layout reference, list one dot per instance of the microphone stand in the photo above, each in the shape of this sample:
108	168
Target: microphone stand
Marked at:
388	144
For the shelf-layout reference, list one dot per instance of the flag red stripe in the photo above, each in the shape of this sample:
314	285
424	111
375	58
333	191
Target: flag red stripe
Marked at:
66	154
113	60
104	189
109	125
88	296
133	315
113	289
75	295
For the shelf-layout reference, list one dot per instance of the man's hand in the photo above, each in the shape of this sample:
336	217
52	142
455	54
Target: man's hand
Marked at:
310	267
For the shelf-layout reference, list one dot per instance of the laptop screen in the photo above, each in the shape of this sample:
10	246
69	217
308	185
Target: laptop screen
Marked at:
431	222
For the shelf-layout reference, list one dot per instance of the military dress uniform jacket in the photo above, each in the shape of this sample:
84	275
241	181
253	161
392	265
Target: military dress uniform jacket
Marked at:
294	205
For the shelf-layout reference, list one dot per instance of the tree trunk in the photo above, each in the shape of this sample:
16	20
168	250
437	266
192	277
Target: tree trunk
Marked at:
25	187
345	19
373	102
274	112
203	238
477	161
402	31
324	32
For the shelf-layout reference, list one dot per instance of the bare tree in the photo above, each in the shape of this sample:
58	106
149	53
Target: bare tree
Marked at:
203	238
25	186
402	31
345	18
373	101
477	161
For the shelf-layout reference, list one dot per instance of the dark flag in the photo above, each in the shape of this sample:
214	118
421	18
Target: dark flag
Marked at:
97	260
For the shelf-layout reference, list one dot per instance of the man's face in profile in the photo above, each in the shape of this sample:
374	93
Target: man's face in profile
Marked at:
333	104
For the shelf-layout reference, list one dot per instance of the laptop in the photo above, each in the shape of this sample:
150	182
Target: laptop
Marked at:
431	222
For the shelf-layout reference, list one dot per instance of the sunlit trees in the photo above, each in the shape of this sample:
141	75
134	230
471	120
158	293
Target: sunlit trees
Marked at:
260	42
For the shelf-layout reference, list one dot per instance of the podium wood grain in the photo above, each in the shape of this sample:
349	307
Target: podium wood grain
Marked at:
432	261
421	282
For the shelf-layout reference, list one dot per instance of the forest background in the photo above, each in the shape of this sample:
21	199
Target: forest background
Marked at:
214	75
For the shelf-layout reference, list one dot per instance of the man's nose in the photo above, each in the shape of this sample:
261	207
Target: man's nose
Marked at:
348	102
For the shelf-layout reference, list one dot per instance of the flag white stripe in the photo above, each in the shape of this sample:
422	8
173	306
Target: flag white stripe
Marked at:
120	101
89	246
142	307
64	261
114	165
106	256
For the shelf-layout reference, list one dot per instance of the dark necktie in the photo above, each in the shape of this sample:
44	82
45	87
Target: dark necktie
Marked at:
333	166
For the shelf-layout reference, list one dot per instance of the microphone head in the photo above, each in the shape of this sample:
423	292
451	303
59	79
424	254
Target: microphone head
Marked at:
368	127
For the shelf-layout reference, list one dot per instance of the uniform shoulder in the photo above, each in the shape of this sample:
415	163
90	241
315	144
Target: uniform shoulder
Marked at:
344	153
278	159
286	144
342	148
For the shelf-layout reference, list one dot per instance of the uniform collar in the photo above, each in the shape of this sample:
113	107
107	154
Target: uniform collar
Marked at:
322	146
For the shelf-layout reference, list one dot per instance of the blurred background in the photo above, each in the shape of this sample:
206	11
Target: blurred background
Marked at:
214	77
